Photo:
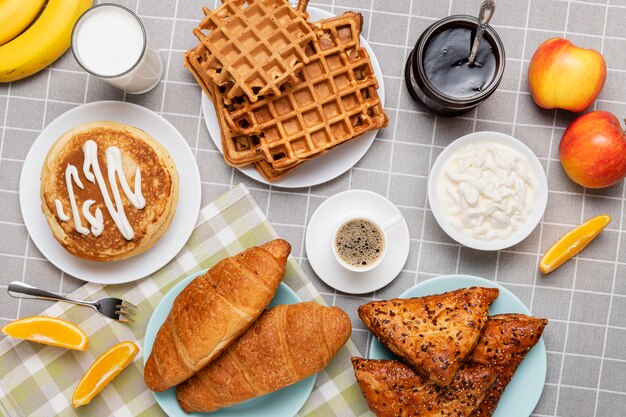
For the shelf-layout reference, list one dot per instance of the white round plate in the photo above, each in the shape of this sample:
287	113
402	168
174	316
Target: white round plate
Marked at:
319	240
523	392
171	242
325	167
282	403
533	219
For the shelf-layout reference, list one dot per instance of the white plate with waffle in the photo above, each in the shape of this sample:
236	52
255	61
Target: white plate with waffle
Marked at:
325	167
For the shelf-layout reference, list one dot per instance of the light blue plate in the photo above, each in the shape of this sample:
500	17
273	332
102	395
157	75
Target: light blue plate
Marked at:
282	403
523	393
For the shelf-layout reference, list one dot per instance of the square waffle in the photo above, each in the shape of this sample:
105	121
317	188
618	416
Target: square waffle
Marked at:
334	101
270	173
253	46
262	166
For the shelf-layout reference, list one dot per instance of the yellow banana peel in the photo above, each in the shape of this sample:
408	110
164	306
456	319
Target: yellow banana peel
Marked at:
15	16
43	42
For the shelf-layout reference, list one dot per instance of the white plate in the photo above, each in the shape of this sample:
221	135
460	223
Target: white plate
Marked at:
523	392
319	239
171	242
325	167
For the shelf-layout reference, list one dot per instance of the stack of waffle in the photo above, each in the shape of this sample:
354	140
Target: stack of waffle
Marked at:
285	90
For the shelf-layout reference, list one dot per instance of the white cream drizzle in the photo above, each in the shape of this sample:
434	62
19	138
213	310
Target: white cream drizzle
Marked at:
59	206
91	170
97	221
71	173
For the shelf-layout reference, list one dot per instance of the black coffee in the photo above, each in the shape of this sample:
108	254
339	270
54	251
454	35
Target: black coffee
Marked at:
359	243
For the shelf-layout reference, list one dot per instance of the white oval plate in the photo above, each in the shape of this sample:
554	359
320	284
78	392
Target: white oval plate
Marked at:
319	240
523	392
171	242
535	216
325	167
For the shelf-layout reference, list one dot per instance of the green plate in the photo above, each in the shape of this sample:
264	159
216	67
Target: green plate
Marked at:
282	403
524	390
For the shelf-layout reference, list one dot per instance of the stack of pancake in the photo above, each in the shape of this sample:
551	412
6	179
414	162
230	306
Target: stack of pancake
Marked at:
285	90
148	170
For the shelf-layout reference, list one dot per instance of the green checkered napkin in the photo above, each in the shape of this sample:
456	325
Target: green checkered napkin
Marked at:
38	380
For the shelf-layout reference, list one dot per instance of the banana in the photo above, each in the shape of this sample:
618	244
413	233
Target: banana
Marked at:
43	42
16	15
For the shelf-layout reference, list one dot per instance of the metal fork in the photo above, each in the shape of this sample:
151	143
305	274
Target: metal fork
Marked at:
113	308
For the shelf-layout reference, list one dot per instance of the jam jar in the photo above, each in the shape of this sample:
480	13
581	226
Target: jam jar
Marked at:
437	73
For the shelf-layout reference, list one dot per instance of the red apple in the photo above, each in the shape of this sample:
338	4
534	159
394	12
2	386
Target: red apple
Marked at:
593	150
562	75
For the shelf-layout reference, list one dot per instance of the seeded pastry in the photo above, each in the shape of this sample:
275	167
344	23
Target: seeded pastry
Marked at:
392	389
504	344
432	334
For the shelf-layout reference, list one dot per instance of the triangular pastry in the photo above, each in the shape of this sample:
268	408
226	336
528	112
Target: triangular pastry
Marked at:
506	340
432	334
392	389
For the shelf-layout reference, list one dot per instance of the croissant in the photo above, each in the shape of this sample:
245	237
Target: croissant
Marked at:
212	311
287	344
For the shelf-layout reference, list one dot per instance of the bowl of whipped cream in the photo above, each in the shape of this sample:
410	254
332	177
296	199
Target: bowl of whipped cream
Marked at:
487	190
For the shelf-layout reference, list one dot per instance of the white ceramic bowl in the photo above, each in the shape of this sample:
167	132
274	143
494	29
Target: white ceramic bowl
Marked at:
534	217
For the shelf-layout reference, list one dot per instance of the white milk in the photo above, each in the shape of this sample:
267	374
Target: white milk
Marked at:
108	42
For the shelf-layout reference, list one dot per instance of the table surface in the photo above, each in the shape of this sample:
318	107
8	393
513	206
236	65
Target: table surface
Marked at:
585	299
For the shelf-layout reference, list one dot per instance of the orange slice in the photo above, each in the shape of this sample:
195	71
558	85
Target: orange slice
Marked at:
102	371
572	243
49	331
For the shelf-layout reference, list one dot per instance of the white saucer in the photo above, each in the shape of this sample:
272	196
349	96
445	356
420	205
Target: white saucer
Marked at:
171	242
321	229
325	167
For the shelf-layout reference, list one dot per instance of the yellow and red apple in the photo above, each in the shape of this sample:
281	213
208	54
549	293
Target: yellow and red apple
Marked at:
593	150
563	76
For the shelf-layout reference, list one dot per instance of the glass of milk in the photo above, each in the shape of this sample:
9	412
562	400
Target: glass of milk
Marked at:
109	42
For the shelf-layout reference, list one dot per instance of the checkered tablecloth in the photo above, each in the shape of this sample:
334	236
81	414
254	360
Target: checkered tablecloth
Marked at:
585	299
39	380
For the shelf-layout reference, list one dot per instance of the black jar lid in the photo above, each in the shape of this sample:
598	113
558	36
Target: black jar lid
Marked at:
469	22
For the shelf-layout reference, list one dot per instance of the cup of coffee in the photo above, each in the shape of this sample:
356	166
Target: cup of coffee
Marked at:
360	242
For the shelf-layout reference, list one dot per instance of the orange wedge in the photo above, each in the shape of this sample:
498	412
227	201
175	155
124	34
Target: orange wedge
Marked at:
49	331
572	243
102	371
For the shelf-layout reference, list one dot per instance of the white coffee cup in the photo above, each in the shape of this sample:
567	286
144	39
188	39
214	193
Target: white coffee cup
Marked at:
382	227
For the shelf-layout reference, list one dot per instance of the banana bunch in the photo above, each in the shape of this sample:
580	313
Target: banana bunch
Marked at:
15	16
33	35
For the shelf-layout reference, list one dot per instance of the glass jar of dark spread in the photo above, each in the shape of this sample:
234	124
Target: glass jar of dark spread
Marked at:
438	75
